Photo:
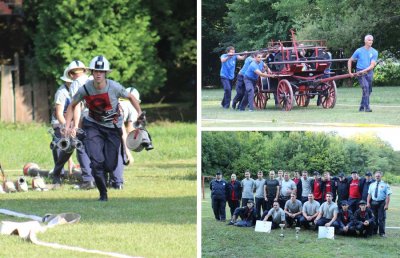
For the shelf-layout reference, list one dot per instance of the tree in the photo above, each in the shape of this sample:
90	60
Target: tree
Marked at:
214	31
119	30
235	152
175	23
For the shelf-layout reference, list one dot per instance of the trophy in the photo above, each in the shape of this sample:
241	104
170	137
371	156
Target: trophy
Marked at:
297	232
281	225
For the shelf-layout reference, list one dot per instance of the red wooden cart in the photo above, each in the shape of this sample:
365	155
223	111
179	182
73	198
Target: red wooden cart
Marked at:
300	72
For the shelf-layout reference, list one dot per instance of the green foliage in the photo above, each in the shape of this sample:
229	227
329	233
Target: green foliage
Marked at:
235	152
391	178
254	23
119	30
387	73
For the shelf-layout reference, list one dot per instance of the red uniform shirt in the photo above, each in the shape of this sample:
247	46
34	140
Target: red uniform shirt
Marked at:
233	196
345	217
317	190
354	192
328	188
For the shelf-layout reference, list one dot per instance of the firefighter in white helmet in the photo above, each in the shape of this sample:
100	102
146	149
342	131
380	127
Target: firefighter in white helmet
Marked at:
76	71
103	123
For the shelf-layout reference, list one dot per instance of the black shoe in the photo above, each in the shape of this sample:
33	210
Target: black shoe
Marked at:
230	223
361	109
103	198
87	185
382	235
118	186
368	110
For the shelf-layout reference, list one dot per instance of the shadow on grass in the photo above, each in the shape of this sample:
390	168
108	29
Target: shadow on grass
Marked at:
172	210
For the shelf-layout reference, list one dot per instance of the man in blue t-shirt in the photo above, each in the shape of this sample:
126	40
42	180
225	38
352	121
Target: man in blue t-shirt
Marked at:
366	58
255	69
227	73
240	89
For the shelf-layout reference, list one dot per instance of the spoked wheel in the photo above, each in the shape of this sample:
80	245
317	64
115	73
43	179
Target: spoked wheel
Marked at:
285	95
302	98
328	95
260	98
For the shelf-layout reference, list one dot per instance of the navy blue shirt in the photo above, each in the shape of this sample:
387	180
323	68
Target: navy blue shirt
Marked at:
218	189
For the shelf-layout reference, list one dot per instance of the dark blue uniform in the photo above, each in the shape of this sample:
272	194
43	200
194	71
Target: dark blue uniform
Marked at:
342	189
360	217
247	215
218	198
345	219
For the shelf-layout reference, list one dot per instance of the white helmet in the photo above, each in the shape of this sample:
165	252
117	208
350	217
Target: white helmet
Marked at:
65	76
139	139
100	63
134	92
76	64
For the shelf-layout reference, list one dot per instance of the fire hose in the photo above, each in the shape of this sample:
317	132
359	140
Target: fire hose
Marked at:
28	230
67	144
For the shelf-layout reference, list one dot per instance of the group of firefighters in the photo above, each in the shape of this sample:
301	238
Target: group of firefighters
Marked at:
254	67
353	205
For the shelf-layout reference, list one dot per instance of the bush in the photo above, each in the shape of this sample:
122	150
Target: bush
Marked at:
388	72
391	178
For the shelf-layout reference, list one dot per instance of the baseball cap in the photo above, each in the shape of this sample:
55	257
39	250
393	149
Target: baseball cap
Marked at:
362	202
354	172
368	173
341	174
250	201
218	173
344	202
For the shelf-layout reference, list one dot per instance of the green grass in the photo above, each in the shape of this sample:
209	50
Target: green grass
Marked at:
219	240
153	216
384	103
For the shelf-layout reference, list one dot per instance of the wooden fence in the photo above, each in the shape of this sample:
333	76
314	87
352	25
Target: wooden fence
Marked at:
27	103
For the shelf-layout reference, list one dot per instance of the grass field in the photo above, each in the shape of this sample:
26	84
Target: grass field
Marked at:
219	240
384	103
153	216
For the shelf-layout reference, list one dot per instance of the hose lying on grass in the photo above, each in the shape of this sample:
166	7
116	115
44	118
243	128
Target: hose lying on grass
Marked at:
28	230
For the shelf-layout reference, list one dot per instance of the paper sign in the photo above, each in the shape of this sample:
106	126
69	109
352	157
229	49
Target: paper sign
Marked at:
263	226
326	232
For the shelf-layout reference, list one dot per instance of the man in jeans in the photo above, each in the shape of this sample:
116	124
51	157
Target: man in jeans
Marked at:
366	58
259	190
248	185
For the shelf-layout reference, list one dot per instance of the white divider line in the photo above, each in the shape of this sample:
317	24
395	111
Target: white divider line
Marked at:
296	123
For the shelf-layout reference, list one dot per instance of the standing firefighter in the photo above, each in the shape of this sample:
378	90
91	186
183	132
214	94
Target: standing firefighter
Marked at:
218	196
103	122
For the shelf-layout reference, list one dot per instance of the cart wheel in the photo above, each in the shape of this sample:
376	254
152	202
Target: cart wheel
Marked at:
302	98
260	100
328	95
285	95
